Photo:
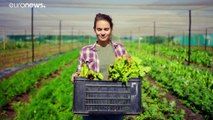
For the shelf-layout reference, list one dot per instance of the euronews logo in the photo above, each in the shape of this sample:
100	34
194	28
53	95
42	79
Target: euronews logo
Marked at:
27	5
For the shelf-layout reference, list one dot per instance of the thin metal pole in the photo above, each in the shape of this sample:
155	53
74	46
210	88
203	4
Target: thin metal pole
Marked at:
189	46
72	38
206	39
3	37
60	36
183	39
72	34
39	38
168	39
25	37
139	38
32	35
154	37
89	40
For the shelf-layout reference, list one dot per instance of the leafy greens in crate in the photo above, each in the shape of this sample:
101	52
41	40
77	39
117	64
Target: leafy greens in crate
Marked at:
121	70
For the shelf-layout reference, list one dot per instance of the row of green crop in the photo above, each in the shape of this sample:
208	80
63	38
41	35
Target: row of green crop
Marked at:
156	106
24	80
194	87
199	57
54	101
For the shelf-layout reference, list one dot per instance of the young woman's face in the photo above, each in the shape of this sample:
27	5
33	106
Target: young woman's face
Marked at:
103	30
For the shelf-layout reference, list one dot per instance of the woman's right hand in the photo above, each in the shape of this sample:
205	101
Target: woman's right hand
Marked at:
76	74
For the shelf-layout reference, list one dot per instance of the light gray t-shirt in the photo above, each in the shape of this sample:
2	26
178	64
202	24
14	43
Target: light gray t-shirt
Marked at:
106	57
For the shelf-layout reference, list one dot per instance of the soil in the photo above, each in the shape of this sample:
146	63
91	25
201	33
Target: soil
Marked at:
11	73
8	112
189	114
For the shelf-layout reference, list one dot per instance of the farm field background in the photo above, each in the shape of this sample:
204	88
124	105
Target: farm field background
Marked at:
45	91
39	49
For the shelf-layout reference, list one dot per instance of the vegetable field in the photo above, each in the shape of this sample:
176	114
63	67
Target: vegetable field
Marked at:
170	44
45	91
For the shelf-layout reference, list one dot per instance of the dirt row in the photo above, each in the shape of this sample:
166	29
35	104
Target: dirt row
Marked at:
189	114
8	112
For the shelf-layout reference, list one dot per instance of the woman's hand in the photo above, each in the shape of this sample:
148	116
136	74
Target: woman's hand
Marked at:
76	74
127	56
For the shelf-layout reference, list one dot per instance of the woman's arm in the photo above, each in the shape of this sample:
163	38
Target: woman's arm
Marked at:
80	62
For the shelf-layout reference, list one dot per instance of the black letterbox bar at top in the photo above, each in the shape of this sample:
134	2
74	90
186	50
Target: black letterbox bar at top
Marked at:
95	85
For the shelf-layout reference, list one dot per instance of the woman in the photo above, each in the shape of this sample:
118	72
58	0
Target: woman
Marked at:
101	54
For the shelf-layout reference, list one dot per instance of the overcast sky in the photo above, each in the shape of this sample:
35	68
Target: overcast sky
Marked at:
129	16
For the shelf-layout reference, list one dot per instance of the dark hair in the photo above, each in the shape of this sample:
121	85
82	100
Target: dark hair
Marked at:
100	16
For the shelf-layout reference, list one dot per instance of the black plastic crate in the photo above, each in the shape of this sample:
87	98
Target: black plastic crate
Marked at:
107	97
